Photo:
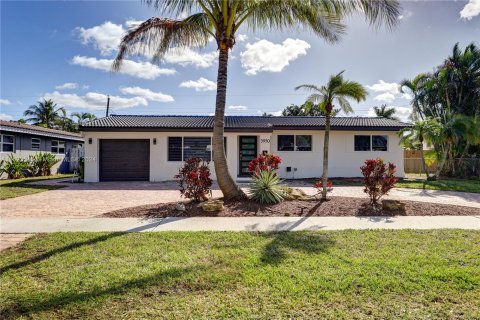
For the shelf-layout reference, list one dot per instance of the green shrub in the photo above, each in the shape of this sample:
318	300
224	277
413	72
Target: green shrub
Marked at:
41	164
14	167
266	187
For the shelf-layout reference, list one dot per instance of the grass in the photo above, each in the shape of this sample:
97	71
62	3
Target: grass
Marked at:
417	182
382	274
463	185
22	187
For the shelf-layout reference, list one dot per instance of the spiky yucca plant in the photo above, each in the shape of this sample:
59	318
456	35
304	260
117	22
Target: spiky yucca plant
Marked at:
266	188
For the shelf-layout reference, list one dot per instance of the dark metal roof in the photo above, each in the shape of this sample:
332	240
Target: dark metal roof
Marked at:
237	123
7	126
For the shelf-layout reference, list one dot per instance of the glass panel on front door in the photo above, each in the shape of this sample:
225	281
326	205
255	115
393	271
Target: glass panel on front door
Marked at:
247	152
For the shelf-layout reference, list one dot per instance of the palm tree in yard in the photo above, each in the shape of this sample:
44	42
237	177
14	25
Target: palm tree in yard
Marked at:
421	132
385	112
45	113
221	19
337	90
83	117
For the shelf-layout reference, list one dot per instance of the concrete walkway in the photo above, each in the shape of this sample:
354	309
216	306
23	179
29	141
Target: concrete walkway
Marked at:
41	225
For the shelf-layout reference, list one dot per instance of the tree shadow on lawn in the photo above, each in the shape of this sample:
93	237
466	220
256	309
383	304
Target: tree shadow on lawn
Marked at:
75	245
276	251
56	302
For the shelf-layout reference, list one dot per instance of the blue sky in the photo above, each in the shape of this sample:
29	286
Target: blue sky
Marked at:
62	50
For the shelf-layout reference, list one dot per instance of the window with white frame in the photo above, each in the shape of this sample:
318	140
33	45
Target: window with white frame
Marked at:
184	148
371	143
7	142
35	144
290	142
58	146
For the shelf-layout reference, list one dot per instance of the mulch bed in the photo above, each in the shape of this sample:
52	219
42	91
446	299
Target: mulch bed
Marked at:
333	207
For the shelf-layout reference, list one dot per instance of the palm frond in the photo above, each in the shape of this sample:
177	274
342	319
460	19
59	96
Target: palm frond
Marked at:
308	87
376	12
157	36
344	105
351	89
316	98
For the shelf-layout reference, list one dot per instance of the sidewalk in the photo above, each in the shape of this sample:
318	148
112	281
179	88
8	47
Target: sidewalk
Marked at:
45	225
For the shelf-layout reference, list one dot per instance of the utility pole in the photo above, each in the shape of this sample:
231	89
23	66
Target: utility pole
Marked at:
108	104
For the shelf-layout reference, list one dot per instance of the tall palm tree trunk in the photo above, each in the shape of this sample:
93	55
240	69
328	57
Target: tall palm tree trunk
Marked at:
442	162
424	163
225	181
325	154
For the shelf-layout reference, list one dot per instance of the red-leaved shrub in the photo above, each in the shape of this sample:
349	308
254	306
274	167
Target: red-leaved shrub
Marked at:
194	179
319	185
378	178
268	162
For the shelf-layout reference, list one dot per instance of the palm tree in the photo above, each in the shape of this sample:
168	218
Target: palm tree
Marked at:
83	117
337	90
221	19
421	132
44	113
385	112
293	110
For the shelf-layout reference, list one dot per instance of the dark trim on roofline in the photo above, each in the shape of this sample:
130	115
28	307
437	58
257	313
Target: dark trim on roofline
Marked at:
46	134
179	129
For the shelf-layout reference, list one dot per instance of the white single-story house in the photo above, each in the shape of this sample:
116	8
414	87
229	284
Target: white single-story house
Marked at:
23	140
153	148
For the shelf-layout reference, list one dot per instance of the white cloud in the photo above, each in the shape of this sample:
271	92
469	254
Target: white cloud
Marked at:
85	86
67	85
237	108
382	86
264	55
407	96
5	102
186	57
5	117
94	101
143	70
471	9
385	97
403	113
387	91
201	84
147	94
242	37
105	37
267	56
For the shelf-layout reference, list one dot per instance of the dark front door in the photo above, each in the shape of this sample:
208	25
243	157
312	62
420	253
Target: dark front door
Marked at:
124	160
247	149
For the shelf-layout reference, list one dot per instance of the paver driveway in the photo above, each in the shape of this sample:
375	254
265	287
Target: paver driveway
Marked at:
93	199
90	199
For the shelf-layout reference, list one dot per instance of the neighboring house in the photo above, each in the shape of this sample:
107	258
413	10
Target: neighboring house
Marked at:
23	140
152	148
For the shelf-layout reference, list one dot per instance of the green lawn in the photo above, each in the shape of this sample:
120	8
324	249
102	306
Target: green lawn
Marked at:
464	185
334	275
22	187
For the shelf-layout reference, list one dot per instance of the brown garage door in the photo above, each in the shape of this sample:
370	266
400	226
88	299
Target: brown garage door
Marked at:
124	160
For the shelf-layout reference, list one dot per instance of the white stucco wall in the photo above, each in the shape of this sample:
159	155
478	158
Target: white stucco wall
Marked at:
344	161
